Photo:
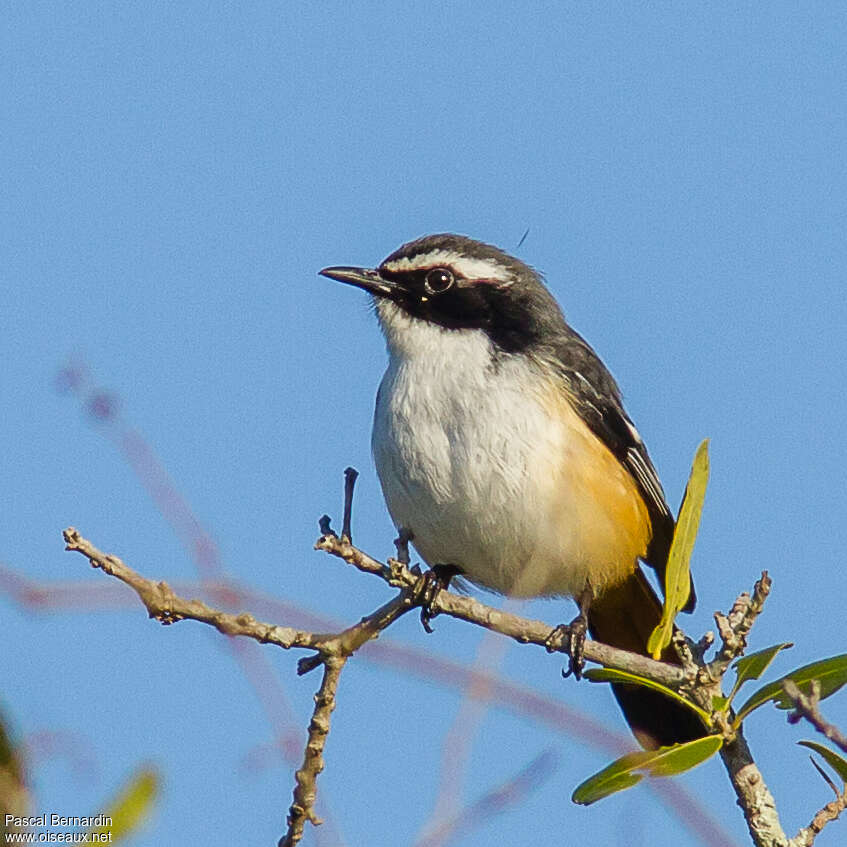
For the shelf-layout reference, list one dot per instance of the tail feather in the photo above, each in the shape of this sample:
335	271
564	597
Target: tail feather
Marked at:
623	616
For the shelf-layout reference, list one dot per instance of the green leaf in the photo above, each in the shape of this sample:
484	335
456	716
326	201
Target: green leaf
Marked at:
631	768
611	675
677	574
755	664
132	804
719	703
830	673
835	760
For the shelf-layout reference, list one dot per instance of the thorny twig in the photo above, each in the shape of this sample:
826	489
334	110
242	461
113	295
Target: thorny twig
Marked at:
829	813
331	650
695	678
167	607
735	627
305	788
806	706
521	629
334	649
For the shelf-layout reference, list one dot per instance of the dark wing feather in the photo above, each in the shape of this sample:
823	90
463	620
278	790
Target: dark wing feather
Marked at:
597	399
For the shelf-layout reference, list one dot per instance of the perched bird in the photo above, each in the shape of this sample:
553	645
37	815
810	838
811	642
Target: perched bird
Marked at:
502	445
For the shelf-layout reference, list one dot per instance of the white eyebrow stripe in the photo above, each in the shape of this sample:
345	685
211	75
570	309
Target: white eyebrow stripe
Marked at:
464	266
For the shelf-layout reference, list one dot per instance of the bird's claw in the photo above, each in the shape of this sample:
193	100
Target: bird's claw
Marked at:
574	633
434	581
576	638
429	591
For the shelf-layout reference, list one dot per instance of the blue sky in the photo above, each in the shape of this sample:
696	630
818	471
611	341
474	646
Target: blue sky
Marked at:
173	176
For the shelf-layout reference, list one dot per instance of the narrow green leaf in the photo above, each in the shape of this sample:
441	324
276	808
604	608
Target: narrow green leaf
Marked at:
677	574
631	768
611	675
835	760
719	703
132	804
605	782
830	673
755	664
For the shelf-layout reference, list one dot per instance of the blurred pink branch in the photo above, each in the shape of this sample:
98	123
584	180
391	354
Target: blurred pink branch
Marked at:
504	796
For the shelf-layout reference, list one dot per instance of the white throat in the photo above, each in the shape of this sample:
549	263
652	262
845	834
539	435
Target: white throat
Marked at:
409	338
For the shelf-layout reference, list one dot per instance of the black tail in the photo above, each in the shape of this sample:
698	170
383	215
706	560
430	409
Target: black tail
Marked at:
624	616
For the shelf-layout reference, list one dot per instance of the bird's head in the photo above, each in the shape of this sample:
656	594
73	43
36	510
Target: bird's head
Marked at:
456	283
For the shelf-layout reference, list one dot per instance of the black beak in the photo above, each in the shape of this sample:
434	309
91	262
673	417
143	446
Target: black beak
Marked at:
366	278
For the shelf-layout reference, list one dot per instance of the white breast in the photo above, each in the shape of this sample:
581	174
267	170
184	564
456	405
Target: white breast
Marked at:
468	453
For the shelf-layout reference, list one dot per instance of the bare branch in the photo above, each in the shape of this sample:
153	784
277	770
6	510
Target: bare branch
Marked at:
521	629
332	652
350	476
734	628
830	812
165	606
806	706
305	790
345	643
752	793
827	814
754	797
696	678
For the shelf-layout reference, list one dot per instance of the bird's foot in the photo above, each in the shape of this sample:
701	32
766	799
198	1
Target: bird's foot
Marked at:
576	647
574	635
435	580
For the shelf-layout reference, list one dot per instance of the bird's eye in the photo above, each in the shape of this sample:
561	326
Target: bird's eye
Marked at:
438	280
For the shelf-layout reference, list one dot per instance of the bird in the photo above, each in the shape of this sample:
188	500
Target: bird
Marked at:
504	451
